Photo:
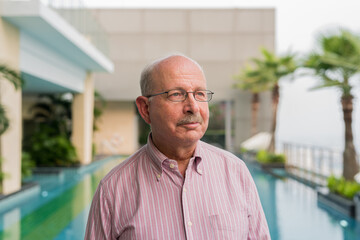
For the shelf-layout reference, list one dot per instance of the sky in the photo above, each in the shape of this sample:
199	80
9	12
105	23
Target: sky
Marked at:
304	117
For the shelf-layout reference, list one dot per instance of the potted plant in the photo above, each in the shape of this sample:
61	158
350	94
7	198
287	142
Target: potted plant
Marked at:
270	160
339	195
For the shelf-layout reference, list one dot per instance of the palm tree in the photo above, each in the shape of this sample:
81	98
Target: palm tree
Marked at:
335	62
48	140
54	110
265	75
247	80
15	78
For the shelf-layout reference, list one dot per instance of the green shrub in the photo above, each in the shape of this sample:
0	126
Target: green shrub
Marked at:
351	188
340	186
243	150
2	174
26	165
265	157
50	149
331	183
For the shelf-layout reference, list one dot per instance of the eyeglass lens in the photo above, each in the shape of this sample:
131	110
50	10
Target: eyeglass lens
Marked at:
179	95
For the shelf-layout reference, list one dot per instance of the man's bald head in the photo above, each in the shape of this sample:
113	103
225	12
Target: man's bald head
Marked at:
149	73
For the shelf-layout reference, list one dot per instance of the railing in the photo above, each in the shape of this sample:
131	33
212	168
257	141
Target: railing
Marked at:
313	164
76	14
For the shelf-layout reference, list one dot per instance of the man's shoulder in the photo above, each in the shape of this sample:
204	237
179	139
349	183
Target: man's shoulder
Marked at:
225	162
125	168
217	152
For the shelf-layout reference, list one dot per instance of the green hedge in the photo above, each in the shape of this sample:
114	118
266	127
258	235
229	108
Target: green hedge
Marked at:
343	187
265	157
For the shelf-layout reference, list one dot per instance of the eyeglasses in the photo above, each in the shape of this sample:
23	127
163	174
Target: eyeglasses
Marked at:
180	95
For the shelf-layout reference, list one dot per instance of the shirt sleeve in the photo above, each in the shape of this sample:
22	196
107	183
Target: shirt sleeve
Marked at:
99	221
258	228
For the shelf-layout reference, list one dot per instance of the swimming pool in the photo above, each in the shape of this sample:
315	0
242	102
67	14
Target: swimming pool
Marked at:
58	208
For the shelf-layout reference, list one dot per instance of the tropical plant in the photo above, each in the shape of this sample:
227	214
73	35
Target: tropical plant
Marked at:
266	157
6	73
265	75
26	165
336	61
49	148
343	187
55	111
49	142
15	78
100	104
248	80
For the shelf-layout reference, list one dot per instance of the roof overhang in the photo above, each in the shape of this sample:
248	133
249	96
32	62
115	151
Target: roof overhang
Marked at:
48	27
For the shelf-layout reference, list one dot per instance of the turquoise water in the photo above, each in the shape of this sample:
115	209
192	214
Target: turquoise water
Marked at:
59	207
293	213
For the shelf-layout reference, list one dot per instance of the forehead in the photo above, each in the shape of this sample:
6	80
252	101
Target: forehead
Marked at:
178	72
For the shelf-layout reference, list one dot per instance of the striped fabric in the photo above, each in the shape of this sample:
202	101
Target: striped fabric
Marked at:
146	197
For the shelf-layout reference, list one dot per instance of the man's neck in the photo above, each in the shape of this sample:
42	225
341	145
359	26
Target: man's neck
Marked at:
181	154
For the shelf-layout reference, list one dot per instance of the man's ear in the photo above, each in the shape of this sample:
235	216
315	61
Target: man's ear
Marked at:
142	104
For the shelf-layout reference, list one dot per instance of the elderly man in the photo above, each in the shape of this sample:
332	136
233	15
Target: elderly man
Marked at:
177	187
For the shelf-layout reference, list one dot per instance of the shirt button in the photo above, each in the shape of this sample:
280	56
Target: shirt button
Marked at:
172	165
189	223
158	176
200	171
184	189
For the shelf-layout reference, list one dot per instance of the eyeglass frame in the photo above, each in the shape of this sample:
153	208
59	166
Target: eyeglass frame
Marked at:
186	94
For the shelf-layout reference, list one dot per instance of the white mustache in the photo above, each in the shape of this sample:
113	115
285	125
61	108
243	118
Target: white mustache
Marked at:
190	119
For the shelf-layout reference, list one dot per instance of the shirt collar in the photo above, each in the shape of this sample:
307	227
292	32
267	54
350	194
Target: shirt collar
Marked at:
197	164
157	157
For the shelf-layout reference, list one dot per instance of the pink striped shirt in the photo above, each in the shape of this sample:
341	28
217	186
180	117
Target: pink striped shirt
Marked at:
146	197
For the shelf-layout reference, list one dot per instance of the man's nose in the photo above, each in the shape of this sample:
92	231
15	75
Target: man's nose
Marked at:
191	105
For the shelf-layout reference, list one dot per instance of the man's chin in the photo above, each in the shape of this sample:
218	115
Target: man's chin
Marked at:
192	137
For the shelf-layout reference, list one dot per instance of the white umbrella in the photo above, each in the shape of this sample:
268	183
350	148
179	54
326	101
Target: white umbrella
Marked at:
259	141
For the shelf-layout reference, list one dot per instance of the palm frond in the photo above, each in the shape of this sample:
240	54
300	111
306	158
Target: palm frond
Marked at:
326	84
266	71
99	98
4	120
336	59
12	76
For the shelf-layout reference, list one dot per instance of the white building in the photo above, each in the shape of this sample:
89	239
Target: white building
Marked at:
53	56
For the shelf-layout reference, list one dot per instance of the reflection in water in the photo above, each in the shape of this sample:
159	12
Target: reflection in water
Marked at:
12	224
292	211
67	196
266	185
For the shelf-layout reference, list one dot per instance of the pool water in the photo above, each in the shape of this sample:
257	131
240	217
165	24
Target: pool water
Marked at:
59	207
58	210
293	213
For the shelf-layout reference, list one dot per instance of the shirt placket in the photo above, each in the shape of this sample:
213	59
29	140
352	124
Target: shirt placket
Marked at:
186	200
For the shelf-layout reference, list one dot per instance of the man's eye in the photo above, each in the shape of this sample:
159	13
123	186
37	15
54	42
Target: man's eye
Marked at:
200	94
176	94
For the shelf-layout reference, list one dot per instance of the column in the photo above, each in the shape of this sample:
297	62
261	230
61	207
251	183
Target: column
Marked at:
82	117
228	125
10	141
